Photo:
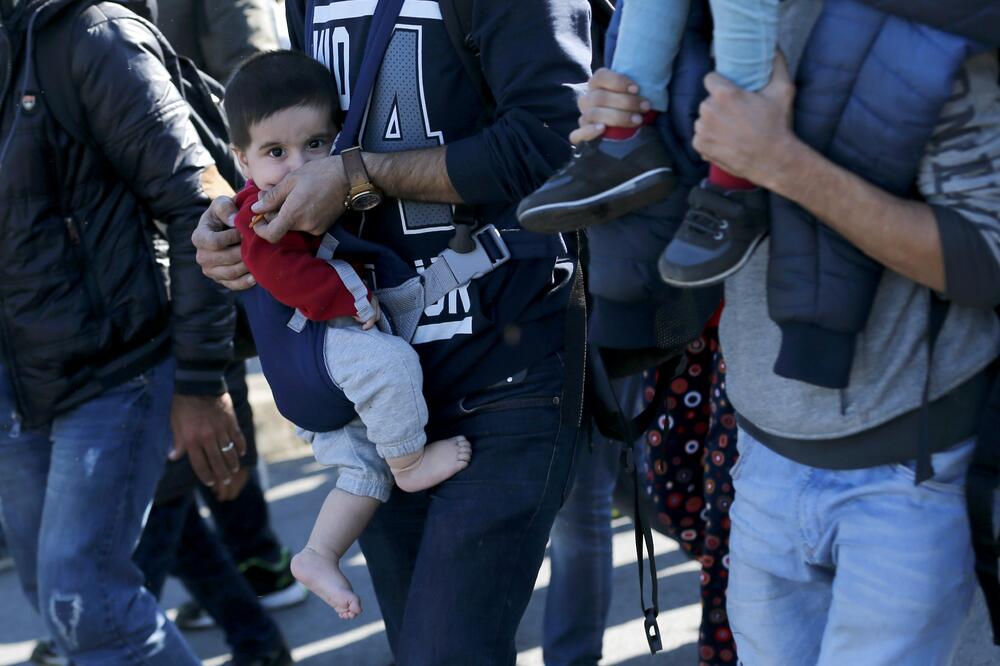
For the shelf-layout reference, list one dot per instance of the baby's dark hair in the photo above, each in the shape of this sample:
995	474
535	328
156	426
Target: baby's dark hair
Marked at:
271	82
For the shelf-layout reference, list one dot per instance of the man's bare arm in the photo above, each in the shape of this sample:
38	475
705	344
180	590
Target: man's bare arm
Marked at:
749	135
414	175
901	234
311	198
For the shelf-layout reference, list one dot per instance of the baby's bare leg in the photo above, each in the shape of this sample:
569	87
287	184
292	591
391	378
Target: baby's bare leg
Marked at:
432	464
339	524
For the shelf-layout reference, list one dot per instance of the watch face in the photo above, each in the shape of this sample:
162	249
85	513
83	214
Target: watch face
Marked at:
366	200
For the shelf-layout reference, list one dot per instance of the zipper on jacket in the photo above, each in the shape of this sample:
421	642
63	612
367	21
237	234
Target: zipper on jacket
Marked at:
83	261
9	68
71	231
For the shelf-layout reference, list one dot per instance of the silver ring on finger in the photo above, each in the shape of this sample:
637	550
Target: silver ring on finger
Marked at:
228	447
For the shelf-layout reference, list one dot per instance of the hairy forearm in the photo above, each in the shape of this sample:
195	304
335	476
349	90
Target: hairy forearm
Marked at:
415	175
899	233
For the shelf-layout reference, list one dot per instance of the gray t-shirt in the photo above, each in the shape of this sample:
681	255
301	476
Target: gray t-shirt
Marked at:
890	364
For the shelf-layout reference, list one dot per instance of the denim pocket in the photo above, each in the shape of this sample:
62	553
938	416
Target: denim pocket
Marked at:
950	469
538	386
745	446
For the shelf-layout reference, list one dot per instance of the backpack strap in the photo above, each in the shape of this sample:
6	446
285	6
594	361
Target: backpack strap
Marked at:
605	394
935	322
980	490
457	17
53	67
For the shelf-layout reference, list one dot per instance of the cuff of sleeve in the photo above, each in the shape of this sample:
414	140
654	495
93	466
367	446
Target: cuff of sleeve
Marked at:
200	378
971	272
469	170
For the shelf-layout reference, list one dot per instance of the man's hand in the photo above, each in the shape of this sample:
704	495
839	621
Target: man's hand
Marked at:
611	100
309	199
218	246
228	492
747	134
205	430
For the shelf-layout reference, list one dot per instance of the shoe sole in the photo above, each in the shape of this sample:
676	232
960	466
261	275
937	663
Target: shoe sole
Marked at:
292	595
645	189
714	279
197	623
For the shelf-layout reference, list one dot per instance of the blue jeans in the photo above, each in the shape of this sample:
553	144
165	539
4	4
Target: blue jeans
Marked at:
454	567
74	497
177	540
650	33
836	567
579	595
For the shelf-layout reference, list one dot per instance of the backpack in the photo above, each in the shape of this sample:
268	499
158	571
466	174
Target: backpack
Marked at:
202	93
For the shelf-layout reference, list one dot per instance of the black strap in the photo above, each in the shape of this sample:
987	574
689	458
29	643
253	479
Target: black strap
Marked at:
575	346
457	18
643	536
609	421
379	35
980	491
935	321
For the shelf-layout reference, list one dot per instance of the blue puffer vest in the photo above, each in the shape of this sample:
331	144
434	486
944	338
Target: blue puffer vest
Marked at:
871	87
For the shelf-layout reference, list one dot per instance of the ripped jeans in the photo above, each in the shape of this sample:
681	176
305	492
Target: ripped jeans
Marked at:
74	498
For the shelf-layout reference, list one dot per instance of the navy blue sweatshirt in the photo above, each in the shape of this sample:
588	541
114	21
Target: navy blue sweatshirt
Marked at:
532	53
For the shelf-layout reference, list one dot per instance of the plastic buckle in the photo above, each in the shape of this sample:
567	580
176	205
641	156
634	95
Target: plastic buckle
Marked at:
490	252
489	239
653	632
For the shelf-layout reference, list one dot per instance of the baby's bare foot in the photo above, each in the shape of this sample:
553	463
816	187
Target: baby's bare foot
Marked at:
322	576
441	460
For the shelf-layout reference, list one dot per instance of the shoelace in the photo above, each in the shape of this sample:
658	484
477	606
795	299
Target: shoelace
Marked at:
705	222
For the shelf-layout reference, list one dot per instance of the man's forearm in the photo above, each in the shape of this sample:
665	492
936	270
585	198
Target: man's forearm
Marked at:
414	175
899	233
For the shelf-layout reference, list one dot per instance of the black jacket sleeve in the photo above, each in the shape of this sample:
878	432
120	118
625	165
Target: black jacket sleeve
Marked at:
143	127
971	258
535	55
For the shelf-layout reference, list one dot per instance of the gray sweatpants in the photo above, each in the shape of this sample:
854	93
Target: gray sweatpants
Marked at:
381	375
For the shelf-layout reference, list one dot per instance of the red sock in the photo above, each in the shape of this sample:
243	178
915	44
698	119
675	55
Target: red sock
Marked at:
727	181
622	133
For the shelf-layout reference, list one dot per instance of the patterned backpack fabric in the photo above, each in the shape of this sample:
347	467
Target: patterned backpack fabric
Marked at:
685	464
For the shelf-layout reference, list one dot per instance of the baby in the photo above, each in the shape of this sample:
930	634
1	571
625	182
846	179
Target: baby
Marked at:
354	392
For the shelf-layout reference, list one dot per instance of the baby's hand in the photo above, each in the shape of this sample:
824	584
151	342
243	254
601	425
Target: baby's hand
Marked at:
370	323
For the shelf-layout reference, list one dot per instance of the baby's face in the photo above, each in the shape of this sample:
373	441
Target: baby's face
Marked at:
284	141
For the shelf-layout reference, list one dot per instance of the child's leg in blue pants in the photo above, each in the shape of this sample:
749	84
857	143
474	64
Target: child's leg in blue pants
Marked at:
744	41
648	39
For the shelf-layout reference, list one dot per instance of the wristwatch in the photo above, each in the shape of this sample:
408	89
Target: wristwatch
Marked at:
363	195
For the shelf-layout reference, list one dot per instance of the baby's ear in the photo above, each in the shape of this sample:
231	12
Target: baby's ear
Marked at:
241	157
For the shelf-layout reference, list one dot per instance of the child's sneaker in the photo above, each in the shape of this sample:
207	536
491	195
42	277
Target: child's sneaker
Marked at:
606	178
719	233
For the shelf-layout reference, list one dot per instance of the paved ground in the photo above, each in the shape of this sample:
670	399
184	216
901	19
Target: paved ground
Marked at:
298	486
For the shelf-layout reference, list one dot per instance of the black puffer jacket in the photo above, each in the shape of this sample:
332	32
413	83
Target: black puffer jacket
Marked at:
83	303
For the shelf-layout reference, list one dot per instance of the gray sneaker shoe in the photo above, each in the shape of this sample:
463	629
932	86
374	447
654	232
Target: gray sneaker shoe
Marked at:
604	180
718	235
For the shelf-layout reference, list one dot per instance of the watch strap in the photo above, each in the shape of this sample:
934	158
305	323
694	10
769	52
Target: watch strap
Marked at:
354	166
